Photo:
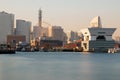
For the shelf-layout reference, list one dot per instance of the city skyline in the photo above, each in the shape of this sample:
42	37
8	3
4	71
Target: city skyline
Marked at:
71	15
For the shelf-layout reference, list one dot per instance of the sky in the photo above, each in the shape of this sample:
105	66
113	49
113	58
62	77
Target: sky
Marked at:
70	14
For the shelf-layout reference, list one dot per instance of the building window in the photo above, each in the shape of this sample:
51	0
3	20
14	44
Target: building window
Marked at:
101	38
87	38
101	32
85	45
85	32
13	41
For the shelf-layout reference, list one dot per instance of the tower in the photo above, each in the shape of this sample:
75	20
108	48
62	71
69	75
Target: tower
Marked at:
40	18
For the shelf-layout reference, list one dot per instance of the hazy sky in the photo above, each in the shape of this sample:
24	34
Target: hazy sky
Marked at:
70	14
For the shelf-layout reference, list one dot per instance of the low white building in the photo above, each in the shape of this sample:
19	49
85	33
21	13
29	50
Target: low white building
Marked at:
97	38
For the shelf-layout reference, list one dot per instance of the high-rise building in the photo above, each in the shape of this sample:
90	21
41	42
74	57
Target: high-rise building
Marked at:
6	25
44	31
56	32
72	36
96	22
37	32
80	35
23	28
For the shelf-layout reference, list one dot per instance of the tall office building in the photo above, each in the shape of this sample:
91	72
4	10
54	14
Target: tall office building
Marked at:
6	26
56	32
23	28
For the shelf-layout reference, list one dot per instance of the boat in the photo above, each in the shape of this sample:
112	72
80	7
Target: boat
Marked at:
6	49
112	50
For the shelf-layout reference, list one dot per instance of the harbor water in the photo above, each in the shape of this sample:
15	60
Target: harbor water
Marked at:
59	66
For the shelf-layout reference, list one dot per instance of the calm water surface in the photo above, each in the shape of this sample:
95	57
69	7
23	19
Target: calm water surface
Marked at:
59	66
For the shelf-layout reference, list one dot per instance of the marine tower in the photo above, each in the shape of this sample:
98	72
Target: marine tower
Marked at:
40	18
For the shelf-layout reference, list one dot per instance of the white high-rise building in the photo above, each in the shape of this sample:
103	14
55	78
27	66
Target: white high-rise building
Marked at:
56	32
96	22
6	25
23	28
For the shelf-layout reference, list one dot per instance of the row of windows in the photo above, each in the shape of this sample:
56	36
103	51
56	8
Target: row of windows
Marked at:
101	32
98	32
